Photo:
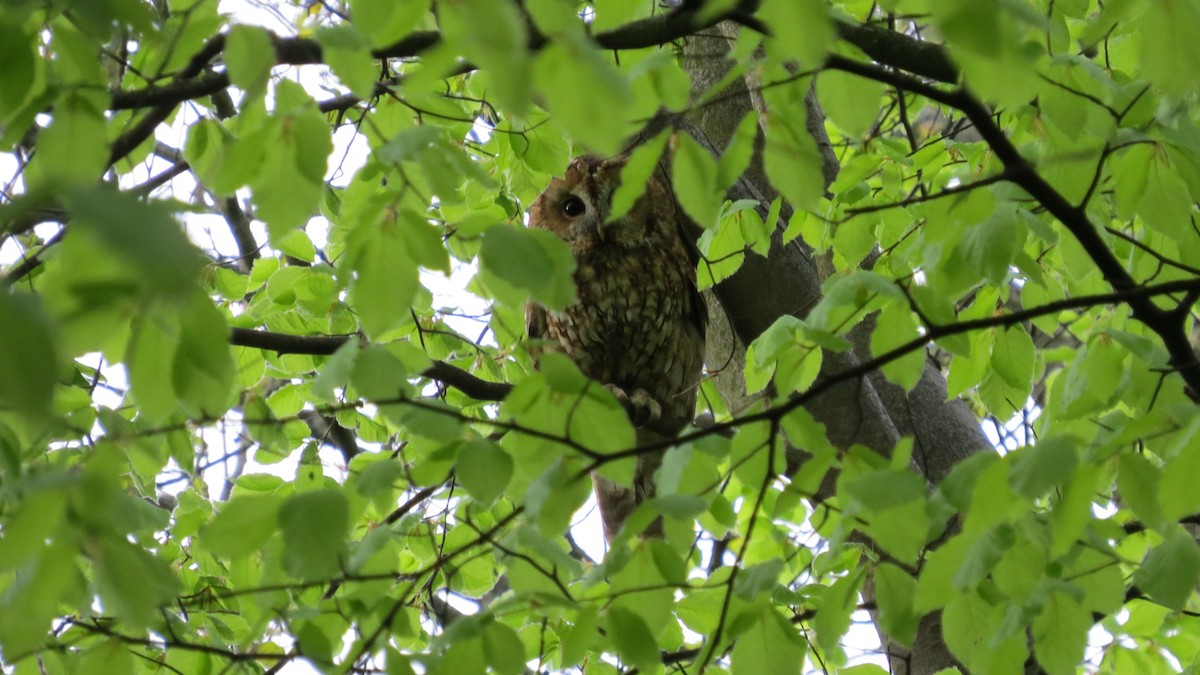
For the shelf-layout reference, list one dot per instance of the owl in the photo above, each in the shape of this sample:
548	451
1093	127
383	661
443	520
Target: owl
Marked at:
637	324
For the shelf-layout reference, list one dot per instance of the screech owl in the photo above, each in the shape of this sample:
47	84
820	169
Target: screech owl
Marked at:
637	325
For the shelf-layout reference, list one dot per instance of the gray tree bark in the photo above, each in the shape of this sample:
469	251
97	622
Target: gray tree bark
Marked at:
870	410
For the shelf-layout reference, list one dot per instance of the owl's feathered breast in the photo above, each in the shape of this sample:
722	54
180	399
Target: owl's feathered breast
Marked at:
635	323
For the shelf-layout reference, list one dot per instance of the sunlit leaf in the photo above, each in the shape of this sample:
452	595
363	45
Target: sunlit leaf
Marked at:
597	120
533	261
771	645
637	171
852	102
632	638
314	528
346	51
484	470
28	363
133	583
250	55
1169	572
385	22
1060	634
242	526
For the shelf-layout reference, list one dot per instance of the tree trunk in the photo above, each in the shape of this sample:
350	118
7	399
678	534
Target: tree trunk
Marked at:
869	410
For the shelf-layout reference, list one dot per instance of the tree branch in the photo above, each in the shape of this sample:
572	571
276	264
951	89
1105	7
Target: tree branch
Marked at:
297	51
921	57
324	345
932	333
1023	174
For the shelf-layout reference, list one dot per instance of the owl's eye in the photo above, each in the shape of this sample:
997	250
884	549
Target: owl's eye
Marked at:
574	206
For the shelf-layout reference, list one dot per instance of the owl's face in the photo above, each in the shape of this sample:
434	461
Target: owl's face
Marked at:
576	207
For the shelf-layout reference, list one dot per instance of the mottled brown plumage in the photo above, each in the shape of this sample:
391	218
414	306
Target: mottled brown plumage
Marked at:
637	325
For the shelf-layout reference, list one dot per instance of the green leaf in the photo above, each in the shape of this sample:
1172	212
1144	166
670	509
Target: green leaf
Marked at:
493	35
1101	580
570	66
1060	634
503	649
133	584
385	22
423	241
535	262
1013	357
314	526
833	617
988	42
463	656
851	101
27	531
386	277
802	29
249	57
990	246
336	370
755	580
1170	571
345	50
110	656
148	359
1021	569
579	639
290	181
1169	48
967	623
636	174
143	235
700	610
1175	493
73	149
202	367
1093	377
695	179
1131	168
379	477
553	497
1074	510
792	161
771	645
643	584
894	592
1165	202
872	669
935	587
880	490
242	526
29	607
722	250
737	155
484	469
1037	468
28	359
632	638
378	374
1139	480
894	327
17	71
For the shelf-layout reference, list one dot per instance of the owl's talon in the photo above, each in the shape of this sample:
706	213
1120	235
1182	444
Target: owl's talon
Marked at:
619	393
642	407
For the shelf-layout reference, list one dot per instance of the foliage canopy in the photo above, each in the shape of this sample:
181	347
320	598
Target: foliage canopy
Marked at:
223	247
